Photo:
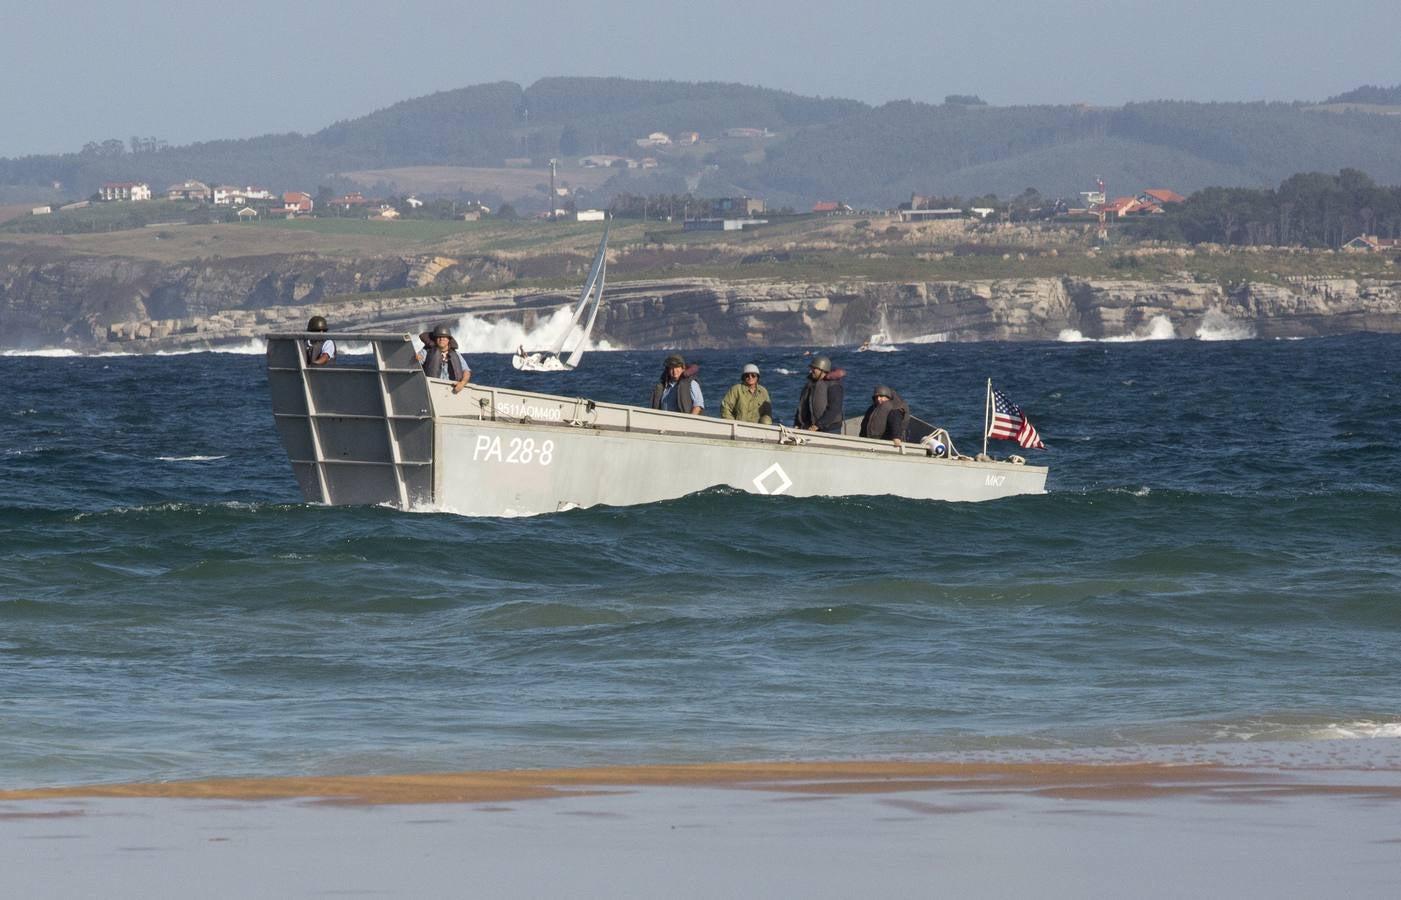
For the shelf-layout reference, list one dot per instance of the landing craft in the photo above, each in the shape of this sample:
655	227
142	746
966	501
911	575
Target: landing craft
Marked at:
385	433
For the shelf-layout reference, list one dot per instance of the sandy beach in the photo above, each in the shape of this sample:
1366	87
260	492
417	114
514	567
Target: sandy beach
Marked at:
891	829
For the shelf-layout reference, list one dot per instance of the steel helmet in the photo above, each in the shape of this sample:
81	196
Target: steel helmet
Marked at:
882	391
316	323
440	331
749	369
675	359
822	363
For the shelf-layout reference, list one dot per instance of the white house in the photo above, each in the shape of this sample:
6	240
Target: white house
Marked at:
125	191
590	215
188	190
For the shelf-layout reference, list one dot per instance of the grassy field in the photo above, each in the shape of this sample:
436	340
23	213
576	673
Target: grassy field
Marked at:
511	183
800	249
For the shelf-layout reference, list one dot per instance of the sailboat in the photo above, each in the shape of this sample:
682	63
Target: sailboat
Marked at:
590	299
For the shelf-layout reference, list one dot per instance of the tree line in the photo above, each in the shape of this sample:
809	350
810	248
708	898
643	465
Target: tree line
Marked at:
1310	209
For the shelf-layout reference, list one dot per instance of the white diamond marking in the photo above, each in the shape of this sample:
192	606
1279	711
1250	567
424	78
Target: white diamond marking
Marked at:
784	482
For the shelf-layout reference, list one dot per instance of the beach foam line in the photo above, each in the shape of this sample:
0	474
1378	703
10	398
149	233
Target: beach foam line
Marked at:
1057	780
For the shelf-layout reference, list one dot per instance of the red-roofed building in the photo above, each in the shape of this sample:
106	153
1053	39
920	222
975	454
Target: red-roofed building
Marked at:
347	201
1120	207
297	203
1161	196
1370	243
830	207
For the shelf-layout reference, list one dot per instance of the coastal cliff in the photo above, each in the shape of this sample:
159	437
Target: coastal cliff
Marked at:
106	304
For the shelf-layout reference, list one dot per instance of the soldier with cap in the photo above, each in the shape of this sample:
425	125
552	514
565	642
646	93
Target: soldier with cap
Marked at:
820	403
677	389
749	400
885	417
441	359
319	352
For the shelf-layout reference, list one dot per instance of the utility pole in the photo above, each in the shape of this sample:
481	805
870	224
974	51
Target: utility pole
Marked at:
552	188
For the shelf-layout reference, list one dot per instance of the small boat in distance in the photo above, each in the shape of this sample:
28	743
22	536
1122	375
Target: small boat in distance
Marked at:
590	298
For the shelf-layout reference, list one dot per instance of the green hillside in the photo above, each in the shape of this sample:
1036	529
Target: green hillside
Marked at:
815	148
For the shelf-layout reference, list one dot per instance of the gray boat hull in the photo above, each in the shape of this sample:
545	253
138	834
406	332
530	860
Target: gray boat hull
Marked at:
387	434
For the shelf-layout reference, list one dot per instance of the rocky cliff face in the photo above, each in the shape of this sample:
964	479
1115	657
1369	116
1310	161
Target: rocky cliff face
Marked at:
716	314
118	303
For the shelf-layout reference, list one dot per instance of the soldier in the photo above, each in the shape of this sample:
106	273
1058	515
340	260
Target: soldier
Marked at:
677	389
319	352
441	359
820	403
749	400
885	417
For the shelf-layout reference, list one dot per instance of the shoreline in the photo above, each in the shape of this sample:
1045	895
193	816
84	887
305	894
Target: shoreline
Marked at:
1054	830
1081	780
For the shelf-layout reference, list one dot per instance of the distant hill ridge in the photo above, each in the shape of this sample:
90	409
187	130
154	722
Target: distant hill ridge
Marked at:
1380	96
818	148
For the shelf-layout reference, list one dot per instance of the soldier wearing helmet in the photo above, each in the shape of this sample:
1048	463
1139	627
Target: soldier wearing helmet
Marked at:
319	351
885	417
677	389
820	403
749	400
441	359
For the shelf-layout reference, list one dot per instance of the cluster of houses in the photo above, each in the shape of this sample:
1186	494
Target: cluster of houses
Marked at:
1370	243
1145	203
250	201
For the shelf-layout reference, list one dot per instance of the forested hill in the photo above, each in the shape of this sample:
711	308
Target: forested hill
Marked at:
806	149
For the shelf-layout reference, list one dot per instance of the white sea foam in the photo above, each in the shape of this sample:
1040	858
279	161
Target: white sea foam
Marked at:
478	335
936	337
444	509
250	347
1158	328
880	342
52	352
1217	326
61	353
1358	731
189	458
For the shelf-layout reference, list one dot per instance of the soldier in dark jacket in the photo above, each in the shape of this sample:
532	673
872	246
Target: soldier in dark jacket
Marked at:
820	403
320	352
885	417
441	359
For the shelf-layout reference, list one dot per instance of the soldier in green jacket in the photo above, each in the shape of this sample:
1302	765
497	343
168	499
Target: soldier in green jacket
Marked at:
748	401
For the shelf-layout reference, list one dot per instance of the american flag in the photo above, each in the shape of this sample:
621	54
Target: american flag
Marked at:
1010	424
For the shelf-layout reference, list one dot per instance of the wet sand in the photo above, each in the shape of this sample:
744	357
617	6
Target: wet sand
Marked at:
905	829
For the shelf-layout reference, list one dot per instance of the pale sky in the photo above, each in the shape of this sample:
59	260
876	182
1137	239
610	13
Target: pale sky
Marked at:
191	70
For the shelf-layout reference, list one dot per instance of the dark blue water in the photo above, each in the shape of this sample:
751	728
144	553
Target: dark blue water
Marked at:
1218	560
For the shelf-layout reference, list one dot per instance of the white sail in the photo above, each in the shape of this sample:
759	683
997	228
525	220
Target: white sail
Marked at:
593	314
584	293
590	298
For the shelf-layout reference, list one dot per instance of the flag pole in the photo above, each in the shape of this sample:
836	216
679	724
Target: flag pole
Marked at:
987	412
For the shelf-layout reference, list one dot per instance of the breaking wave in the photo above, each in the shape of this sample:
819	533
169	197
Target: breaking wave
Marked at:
1158	328
1217	326
478	335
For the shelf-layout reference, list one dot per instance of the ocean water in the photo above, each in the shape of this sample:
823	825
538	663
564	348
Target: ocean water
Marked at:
1217	564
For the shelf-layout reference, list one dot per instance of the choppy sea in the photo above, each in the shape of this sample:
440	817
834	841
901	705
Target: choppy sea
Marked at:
1217	564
